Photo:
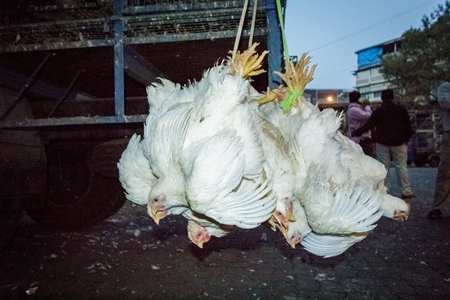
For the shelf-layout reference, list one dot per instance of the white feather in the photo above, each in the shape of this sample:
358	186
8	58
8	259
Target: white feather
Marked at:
329	245
135	173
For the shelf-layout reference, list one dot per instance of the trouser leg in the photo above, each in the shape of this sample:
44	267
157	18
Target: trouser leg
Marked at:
399	156
383	155
442	187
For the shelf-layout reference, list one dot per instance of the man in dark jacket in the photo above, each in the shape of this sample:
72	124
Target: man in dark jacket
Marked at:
442	187
392	131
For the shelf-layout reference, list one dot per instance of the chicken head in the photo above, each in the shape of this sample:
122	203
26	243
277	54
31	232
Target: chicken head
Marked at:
157	208
197	233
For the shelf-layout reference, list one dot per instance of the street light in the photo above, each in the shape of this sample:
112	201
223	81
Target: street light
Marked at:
330	99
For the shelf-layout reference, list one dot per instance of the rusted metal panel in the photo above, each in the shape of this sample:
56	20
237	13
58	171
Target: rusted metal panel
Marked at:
172	39
32	123
149	22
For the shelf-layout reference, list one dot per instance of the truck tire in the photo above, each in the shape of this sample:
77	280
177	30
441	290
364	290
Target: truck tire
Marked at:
434	160
83	188
22	166
8	227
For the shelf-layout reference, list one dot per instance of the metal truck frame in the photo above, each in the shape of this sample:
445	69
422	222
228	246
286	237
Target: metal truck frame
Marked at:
72	91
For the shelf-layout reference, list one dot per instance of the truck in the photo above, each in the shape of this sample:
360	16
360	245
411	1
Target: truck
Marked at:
424	146
73	78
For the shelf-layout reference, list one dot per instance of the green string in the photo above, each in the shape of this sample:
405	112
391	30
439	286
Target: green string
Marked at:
283	35
288	101
292	95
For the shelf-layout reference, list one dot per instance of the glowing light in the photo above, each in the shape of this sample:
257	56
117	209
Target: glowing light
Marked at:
330	99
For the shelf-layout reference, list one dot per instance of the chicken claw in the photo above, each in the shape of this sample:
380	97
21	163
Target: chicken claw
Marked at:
401	215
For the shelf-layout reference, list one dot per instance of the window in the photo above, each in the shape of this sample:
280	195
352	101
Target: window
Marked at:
377	94
375	71
363	74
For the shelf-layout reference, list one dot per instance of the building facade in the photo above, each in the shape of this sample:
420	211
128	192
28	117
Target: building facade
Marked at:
369	80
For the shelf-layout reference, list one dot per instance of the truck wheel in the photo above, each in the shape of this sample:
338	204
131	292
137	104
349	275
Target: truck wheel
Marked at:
8	226
83	188
434	161
22	167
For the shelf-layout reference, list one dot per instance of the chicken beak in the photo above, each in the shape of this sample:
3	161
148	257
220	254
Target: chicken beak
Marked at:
154	211
158	215
290	211
292	217
156	219
151	212
292	244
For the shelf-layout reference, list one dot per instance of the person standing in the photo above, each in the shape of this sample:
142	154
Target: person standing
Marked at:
442	186
358	112
393	131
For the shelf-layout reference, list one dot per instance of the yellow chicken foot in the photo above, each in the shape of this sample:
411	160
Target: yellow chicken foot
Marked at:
247	63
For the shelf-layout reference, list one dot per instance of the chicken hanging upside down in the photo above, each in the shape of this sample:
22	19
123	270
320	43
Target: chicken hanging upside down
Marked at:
334	169
223	155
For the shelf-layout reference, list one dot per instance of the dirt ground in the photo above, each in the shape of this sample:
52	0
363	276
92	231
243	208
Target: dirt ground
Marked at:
128	256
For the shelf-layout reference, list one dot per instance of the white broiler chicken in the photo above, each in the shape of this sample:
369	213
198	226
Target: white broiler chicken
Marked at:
137	180
284	156
222	197
340	203
284	167
284	159
164	131
304	228
217	186
164	137
206	152
344	177
344	174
